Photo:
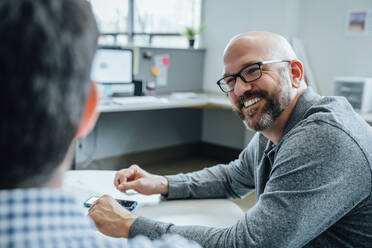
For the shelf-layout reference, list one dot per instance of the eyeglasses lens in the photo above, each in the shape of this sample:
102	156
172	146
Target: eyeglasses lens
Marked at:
249	74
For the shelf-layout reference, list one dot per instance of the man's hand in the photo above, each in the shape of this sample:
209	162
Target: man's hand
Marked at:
140	180
111	218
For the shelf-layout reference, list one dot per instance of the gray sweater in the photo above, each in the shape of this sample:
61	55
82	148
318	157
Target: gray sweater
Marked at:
313	188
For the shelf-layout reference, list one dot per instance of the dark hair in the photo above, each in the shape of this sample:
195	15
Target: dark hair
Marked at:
46	50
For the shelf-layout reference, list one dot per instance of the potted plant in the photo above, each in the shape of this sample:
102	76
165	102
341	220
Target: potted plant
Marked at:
190	33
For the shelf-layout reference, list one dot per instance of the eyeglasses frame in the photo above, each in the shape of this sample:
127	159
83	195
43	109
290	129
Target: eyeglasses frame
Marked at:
236	75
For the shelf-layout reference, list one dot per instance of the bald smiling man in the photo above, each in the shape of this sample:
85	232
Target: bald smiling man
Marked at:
309	162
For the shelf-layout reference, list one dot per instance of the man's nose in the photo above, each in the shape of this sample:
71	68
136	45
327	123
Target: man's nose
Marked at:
241	87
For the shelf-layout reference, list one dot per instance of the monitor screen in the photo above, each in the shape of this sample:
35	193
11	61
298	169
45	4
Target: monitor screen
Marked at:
112	65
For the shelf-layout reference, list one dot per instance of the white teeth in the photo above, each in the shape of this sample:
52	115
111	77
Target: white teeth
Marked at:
251	102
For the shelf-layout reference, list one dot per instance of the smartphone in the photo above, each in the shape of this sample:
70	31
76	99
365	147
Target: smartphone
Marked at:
129	205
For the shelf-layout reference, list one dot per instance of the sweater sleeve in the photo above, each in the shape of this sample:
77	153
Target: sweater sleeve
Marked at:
318	176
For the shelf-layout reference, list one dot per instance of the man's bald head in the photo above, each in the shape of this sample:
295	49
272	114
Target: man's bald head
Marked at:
259	46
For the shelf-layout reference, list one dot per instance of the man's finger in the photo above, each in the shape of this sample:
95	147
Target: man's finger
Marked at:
123	175
105	196
129	185
117	179
92	208
123	180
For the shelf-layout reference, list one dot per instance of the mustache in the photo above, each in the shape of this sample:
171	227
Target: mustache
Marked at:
249	94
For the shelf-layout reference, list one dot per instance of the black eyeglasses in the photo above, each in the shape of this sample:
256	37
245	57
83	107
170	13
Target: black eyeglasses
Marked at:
248	74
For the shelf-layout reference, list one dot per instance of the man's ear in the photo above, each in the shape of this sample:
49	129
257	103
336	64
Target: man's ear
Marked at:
90	113
297	72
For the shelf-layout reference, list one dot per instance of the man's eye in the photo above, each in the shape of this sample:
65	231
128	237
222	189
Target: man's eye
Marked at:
230	80
251	71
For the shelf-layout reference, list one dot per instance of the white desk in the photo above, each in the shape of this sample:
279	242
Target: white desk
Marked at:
209	212
169	101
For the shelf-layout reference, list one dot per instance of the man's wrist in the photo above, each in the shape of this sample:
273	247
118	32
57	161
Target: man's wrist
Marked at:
129	223
164	185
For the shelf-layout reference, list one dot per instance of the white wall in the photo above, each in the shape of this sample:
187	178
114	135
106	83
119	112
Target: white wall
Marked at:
225	19
330	51
320	24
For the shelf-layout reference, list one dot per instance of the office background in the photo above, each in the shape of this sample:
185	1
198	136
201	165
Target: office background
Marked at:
320	24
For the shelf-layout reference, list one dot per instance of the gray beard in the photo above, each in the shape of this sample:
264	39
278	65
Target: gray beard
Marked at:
274	107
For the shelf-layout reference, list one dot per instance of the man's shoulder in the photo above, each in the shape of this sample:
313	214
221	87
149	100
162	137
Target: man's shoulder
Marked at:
334	110
332	115
331	130
328	123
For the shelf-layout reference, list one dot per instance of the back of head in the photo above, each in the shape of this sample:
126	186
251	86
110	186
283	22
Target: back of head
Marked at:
46	49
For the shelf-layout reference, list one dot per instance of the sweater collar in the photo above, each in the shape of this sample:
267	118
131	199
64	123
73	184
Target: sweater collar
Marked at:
306	100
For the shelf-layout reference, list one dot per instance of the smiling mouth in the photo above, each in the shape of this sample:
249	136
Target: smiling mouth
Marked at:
251	102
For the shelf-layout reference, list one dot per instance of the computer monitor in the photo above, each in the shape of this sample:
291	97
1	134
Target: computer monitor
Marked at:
112	65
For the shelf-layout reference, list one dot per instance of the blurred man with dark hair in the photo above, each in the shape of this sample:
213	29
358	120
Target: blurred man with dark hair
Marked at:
46	50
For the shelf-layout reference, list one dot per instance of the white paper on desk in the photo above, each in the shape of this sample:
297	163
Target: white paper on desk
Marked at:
83	187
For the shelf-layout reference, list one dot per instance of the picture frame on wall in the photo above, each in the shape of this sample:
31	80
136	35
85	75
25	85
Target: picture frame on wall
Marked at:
359	23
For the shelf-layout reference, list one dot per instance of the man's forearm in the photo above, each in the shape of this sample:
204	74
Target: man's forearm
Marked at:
206	236
233	180
206	183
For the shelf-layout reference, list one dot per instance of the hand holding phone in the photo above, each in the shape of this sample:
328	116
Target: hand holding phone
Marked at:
129	205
